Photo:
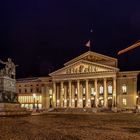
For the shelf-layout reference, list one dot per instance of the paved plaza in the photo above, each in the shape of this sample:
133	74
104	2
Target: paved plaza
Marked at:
102	126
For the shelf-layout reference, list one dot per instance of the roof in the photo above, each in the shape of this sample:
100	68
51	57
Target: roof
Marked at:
93	54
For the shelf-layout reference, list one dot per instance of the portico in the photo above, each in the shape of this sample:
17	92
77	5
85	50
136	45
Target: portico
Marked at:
93	92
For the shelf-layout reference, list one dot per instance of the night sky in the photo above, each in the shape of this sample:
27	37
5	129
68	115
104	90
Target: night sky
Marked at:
42	35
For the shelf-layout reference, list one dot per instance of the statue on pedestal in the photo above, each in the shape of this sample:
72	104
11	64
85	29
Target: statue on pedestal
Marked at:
9	104
10	68
8	88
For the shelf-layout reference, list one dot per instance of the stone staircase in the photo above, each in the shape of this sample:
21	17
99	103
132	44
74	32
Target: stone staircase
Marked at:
79	110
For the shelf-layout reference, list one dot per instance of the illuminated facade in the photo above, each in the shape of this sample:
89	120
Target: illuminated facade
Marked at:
94	80
87	81
34	93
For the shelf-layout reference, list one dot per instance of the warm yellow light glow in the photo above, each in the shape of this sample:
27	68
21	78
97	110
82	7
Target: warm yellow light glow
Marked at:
34	96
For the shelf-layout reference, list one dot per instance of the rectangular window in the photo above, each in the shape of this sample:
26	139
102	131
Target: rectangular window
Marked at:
124	102
124	89
101	89
84	90
110	89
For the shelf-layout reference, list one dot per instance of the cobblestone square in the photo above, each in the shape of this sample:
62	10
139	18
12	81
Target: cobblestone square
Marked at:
102	126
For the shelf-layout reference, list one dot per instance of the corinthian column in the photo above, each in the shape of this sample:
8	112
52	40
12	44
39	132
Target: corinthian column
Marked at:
54	94
65	96
105	93
96	91
88	103
70	98
114	92
78	93
61	93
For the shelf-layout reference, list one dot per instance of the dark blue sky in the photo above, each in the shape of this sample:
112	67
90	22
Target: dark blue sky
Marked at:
41	35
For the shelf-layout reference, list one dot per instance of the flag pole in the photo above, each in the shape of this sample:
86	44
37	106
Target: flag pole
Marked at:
88	45
89	48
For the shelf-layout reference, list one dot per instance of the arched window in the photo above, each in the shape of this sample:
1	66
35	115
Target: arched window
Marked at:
110	89
101	89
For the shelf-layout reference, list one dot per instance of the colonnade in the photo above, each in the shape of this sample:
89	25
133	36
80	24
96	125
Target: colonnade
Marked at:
85	93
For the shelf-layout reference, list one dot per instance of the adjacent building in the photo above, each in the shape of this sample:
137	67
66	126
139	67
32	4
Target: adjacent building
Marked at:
89	80
34	92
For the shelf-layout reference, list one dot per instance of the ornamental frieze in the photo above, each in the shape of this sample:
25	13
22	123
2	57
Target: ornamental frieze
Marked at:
82	69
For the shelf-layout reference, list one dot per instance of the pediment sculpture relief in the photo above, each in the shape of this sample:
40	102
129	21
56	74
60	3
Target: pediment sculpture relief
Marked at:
82	69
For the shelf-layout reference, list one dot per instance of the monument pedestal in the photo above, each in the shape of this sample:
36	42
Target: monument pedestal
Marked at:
9	105
12	109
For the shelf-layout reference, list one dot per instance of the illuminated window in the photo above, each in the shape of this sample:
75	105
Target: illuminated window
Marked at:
124	88
101	90
76	91
110	89
92	91
124	102
84	90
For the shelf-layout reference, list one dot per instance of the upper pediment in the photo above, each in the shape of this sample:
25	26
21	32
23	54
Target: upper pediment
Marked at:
83	66
95	57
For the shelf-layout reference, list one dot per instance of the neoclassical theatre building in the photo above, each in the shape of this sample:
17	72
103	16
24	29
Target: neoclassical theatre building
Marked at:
87	81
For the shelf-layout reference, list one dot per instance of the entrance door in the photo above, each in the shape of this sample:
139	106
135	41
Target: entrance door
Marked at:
92	103
101	103
84	103
75	103
67	103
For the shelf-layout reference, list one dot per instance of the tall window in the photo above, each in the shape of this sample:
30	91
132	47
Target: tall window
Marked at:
110	89
124	88
76	91
92	91
124	102
84	90
101	89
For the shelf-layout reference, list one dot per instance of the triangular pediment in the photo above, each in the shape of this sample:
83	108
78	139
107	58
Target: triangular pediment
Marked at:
95	57
82	67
